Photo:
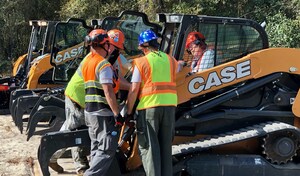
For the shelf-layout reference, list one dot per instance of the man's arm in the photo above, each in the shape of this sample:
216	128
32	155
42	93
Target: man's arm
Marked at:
134	89
132	95
124	84
111	98
106	80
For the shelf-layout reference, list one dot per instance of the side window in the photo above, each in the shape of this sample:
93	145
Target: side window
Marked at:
235	41
40	39
131	29
131	25
69	35
39	29
229	41
67	49
209	32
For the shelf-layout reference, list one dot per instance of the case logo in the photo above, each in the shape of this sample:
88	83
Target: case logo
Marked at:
67	55
226	75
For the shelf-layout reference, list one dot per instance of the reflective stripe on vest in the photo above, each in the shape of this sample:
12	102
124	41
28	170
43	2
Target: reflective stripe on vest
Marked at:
95	98
94	94
93	84
158	86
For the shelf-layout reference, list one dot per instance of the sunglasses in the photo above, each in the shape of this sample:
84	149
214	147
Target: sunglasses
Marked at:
100	37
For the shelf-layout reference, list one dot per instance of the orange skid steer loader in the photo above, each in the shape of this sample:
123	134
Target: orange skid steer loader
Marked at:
39	88
240	117
37	46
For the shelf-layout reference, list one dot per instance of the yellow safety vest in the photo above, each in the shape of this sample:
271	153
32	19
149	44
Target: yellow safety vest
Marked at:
75	88
158	74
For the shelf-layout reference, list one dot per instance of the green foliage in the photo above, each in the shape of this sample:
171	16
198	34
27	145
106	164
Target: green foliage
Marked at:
14	28
79	9
114	8
5	68
283	32
282	16
88	10
186	8
150	7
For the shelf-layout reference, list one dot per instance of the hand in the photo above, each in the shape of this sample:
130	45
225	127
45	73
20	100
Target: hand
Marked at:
119	120
128	120
181	64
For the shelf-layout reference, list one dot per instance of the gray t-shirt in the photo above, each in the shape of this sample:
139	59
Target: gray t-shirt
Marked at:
106	75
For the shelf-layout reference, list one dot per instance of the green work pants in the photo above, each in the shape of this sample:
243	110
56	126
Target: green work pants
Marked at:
155	128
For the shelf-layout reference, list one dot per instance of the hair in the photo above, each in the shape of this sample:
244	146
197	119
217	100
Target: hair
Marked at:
199	41
152	44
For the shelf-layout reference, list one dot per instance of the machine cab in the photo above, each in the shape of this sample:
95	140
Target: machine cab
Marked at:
229	38
67	49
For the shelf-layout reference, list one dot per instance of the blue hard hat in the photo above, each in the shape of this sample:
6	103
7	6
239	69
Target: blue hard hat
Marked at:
147	36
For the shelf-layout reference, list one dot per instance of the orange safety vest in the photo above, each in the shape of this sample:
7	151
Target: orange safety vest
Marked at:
94	94
158	74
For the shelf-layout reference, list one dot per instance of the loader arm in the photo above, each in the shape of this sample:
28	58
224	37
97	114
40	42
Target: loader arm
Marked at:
49	107
252	66
51	142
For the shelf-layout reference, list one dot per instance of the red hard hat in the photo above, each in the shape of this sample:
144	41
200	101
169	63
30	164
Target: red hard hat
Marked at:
193	36
116	38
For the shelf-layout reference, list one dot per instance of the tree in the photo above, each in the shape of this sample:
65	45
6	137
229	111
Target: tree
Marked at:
282	16
14	28
88	10
283	32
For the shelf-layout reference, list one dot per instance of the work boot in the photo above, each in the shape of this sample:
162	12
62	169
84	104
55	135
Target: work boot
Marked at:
80	172
56	167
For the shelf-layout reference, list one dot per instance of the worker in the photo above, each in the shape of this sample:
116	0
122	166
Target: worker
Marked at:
74	109
116	38
203	56
102	114
153	82
75	103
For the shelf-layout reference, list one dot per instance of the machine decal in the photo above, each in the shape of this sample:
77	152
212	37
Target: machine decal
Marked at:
64	56
227	75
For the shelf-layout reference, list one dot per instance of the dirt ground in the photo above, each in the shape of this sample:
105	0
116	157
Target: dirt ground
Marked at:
16	154
18	157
